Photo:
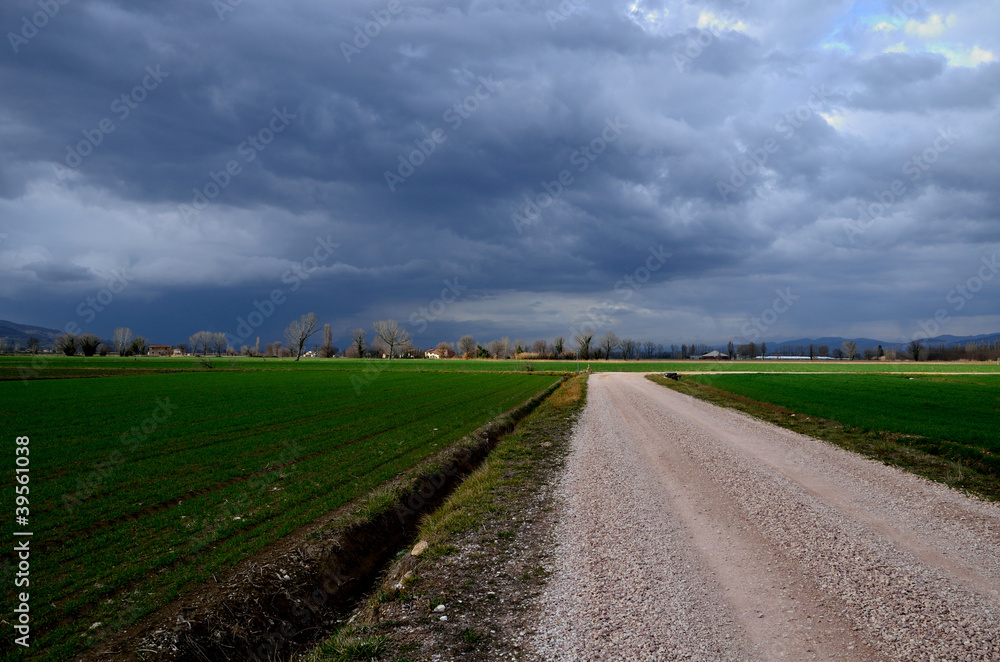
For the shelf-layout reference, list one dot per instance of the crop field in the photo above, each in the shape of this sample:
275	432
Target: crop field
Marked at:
144	486
24	368
950	416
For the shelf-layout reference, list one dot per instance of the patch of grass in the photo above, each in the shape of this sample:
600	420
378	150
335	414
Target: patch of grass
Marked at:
478	495
350	643
470	636
939	428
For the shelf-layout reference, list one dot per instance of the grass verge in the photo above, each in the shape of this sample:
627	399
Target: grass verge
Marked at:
912	453
485	555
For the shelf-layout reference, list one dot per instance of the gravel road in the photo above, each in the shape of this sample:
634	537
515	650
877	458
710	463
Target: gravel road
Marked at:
692	532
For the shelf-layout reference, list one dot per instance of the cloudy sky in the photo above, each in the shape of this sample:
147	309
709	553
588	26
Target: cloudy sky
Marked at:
672	171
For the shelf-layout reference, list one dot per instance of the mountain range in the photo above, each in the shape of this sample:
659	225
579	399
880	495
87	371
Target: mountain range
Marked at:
19	333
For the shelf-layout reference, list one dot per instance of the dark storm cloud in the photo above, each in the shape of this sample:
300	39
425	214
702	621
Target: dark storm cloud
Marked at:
535	151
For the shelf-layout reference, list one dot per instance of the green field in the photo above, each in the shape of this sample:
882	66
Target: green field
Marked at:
141	487
958	409
23	368
953	417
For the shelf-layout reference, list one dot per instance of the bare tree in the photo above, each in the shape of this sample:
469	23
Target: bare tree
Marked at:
914	349
121	340
495	348
812	352
67	343
540	347
392	335
824	350
648	349
327	350
558	346
763	350
629	348
731	350
869	354
219	343
89	344
3	345
583	341
467	346
33	344
299	331
850	350
359	342
200	342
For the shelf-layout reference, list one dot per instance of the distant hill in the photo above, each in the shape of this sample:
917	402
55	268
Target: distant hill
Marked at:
19	333
835	342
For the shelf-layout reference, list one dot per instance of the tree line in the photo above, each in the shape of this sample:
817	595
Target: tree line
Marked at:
390	340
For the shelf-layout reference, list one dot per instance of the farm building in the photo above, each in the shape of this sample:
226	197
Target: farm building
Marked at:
439	354
715	355
161	350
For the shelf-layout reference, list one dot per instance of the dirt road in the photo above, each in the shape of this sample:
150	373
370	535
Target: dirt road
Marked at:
688	531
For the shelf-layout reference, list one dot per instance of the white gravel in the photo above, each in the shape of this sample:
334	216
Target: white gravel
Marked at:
693	532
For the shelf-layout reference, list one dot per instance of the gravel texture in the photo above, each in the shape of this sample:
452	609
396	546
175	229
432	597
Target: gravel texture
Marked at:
692	532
